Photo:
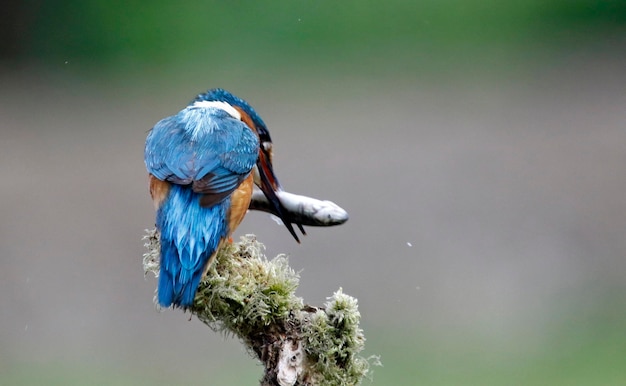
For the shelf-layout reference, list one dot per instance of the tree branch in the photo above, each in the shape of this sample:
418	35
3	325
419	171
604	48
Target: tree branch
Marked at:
253	298
246	295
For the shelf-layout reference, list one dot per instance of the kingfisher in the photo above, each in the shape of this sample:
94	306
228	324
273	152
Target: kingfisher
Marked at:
203	163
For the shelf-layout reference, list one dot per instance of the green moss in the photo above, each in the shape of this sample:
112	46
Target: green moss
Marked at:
334	340
243	291
252	297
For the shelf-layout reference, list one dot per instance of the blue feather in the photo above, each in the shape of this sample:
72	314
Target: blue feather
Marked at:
204	153
198	141
219	94
190	234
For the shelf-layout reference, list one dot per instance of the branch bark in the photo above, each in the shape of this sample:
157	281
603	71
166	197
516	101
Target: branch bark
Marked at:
253	298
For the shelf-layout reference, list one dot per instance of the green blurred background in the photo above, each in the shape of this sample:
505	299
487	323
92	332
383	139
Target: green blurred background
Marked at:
479	147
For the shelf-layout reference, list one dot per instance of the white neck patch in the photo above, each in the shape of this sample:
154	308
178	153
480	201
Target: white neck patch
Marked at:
219	105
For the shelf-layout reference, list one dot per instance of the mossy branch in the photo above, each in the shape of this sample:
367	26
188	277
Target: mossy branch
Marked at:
253	298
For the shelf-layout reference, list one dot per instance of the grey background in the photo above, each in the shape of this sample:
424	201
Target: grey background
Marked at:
485	210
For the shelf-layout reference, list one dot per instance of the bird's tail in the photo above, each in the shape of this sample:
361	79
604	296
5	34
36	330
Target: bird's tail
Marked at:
177	285
190	236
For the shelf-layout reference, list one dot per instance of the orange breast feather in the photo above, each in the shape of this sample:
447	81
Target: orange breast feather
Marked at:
158	190
240	201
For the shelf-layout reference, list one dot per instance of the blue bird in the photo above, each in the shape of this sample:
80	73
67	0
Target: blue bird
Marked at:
202	164
264	176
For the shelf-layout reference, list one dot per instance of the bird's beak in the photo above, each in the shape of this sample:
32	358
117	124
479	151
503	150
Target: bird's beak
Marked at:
269	184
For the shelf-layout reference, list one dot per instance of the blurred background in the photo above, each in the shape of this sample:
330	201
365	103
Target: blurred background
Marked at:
479	147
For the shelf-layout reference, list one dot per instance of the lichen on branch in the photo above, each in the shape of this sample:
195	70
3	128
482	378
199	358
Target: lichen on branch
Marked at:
252	297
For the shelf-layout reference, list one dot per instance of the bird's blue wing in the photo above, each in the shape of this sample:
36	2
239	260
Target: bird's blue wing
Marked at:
169	155
204	147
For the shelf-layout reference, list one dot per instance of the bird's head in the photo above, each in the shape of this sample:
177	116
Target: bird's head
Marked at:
264	176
